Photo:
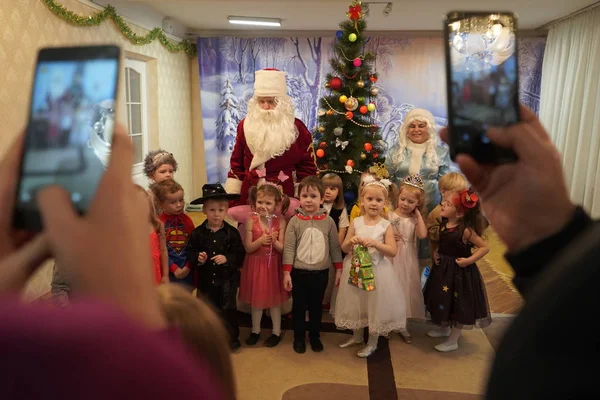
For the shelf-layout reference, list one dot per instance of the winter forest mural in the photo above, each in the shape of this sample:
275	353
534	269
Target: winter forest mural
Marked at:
411	74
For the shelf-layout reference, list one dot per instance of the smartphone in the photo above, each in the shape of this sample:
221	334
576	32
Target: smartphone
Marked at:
482	82
70	127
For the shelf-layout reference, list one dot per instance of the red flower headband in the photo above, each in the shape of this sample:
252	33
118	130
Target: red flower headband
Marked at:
466	199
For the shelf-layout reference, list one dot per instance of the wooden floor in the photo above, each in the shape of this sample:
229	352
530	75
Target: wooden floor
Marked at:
502	296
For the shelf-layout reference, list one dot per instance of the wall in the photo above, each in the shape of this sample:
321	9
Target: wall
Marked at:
27	25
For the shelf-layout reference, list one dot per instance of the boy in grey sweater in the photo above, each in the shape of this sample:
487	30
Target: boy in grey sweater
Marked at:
311	246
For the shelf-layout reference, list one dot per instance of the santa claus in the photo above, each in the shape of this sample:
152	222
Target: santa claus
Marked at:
270	141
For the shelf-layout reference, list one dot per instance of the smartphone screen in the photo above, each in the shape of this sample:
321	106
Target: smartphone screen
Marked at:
482	79
70	127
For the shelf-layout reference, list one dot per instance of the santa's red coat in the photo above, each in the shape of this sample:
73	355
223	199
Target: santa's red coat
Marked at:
300	157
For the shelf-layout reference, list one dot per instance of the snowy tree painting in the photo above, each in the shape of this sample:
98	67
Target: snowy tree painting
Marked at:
227	122
411	74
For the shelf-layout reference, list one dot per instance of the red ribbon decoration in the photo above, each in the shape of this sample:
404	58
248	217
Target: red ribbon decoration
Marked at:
355	12
468	200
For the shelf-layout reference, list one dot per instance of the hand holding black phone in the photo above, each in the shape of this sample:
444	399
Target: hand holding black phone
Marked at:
482	82
70	127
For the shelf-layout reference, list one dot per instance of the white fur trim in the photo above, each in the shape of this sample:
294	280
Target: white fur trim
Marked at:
233	186
270	84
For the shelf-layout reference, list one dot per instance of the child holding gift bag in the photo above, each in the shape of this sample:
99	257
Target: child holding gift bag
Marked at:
381	306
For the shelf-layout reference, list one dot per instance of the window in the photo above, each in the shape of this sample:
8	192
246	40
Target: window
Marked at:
137	109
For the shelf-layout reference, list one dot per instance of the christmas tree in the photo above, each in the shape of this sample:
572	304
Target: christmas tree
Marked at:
228	119
347	138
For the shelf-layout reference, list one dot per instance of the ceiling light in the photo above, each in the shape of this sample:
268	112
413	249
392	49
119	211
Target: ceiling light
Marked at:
254	21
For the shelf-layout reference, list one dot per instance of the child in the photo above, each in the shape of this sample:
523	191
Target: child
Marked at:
159	165
408	225
215	249
383	310
376	171
449	183
336	208
158	243
201	331
311	246
261	283
178	228
454	293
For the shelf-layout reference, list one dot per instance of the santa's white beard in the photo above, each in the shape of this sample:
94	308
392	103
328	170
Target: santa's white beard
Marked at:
270	132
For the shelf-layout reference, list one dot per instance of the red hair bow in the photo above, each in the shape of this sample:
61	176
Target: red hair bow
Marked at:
468	200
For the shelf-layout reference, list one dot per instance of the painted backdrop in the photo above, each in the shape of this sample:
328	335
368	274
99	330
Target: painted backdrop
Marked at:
411	74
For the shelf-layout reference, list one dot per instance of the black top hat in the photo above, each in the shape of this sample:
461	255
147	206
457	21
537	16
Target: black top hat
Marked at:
214	191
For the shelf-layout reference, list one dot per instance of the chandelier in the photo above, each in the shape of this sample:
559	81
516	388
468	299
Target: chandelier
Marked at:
479	43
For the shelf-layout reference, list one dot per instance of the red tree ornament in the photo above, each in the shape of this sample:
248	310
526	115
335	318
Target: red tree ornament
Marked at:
320	153
349	115
368	147
350	163
323	145
335	83
364	110
373	78
375	155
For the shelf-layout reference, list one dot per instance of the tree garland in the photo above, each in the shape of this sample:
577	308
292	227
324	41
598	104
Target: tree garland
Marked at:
111	13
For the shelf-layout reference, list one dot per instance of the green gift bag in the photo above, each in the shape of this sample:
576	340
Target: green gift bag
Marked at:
361	270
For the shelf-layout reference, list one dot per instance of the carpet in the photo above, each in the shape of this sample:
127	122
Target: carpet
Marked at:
396	371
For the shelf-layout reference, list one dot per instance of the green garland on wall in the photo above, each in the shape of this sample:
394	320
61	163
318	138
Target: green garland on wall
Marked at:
111	13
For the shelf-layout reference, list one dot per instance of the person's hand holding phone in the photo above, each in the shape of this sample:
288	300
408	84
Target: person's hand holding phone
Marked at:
94	249
524	201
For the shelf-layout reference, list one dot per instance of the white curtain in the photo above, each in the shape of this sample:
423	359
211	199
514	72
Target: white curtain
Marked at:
570	103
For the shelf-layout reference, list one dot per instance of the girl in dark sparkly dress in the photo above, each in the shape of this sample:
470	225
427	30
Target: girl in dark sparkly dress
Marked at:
455	294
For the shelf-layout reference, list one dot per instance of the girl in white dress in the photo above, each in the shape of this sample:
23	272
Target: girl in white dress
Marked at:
383	310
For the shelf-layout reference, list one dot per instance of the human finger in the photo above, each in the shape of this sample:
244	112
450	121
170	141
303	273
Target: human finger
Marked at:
16	269
475	173
58	215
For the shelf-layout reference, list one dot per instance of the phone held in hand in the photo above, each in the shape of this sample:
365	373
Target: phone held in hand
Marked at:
482	81
69	133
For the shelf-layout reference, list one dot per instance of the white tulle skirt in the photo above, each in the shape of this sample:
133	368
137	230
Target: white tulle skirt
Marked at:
382	310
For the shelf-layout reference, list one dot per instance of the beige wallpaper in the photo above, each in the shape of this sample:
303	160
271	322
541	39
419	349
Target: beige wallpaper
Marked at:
27	25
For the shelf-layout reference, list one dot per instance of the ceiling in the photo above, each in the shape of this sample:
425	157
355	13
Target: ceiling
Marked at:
205	16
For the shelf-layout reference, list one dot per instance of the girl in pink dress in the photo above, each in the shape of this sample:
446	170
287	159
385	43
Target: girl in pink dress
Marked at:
158	244
408	225
261	283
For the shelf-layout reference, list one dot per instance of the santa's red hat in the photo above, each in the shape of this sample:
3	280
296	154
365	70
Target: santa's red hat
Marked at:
270	82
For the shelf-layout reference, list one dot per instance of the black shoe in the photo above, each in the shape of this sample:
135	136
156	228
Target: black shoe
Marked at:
316	345
299	347
235	345
252	339
272	341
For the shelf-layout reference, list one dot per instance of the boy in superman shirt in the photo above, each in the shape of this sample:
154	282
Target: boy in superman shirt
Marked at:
178	228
